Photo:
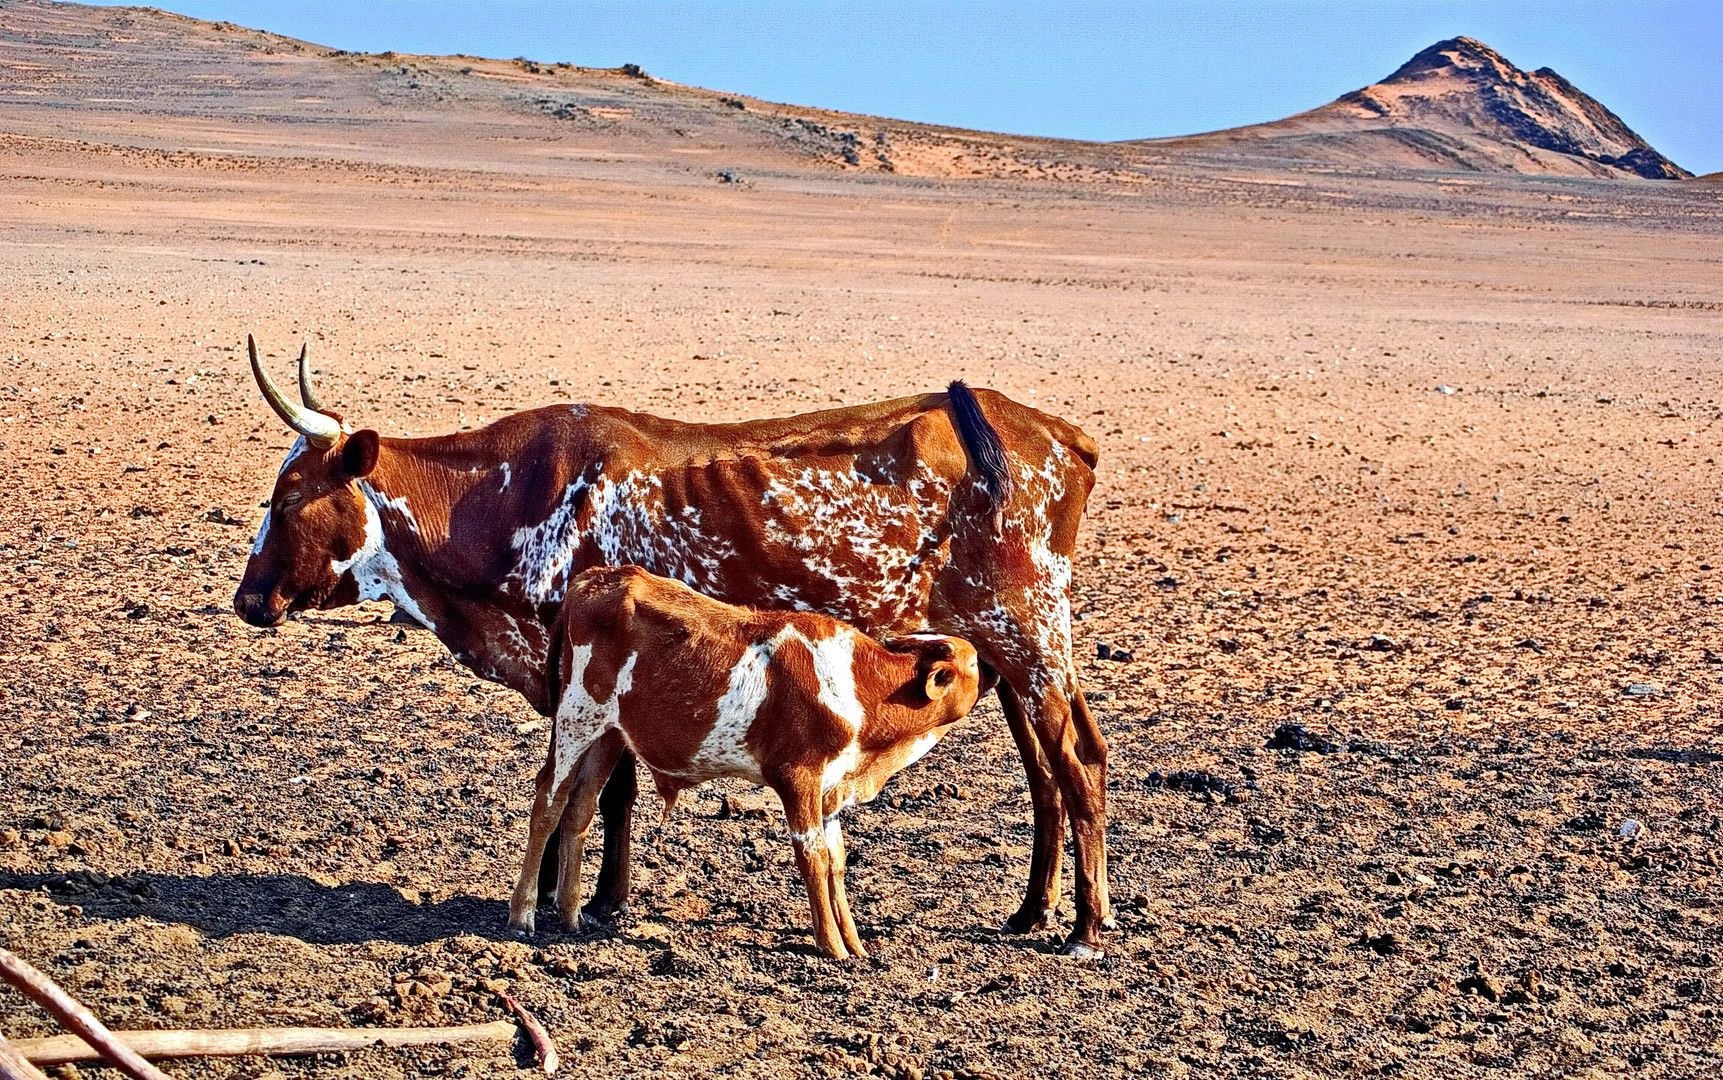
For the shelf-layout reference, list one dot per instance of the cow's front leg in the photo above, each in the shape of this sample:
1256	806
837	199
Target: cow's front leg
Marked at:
616	806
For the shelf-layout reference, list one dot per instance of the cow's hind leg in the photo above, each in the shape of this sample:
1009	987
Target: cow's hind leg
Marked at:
1071	747
1041	898
1077	752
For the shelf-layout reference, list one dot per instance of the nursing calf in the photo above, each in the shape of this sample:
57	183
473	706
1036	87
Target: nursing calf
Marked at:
697	689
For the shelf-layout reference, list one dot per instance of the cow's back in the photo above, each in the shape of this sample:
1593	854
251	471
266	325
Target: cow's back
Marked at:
850	512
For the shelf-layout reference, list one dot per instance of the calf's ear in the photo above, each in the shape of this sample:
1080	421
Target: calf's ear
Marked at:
359	454
940	678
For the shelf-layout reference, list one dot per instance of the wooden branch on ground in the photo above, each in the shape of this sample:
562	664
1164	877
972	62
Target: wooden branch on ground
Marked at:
75	1018
541	1044
237	1042
14	1065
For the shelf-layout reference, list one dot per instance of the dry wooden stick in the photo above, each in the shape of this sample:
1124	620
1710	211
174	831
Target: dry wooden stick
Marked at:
236	1042
73	1016
541	1044
14	1066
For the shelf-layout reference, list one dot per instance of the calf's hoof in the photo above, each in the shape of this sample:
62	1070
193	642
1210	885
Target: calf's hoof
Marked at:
523	925
1028	921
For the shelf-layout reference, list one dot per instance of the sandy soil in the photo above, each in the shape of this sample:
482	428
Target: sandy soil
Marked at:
1496	607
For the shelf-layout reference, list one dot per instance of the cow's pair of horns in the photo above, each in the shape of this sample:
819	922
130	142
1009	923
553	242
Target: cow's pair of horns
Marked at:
320	429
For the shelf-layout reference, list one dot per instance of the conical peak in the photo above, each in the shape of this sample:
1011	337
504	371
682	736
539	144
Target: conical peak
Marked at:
1466	57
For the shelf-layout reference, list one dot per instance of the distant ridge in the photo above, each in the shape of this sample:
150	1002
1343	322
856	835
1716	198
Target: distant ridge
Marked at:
108	73
1457	105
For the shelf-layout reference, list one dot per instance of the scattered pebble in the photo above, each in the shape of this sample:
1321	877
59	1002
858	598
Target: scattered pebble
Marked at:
1194	781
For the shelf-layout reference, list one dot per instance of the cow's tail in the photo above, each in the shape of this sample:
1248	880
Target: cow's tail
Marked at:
982	443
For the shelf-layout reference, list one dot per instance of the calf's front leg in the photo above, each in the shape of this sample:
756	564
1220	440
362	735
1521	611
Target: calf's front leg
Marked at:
835	885
801	800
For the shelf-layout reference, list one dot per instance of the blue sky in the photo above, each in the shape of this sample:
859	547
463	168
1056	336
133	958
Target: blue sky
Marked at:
1090	70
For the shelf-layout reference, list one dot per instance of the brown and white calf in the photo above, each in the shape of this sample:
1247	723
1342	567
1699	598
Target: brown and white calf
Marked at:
697	690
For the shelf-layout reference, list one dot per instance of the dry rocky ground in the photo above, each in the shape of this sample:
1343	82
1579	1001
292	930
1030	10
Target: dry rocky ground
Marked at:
1424	464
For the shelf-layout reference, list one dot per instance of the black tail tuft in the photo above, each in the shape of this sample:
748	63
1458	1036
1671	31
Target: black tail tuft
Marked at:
986	450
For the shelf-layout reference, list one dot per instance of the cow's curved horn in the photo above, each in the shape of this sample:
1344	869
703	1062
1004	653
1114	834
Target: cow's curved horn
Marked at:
306	394
319	430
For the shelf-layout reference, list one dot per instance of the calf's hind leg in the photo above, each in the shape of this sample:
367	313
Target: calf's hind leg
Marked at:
550	794
589	777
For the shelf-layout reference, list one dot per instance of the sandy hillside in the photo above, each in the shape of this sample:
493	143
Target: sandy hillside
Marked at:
1425	463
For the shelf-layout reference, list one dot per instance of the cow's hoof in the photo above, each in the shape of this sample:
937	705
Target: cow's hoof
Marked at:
597	915
1080	951
1027	921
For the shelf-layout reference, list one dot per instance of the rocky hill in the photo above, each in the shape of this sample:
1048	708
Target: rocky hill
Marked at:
1458	105
147	78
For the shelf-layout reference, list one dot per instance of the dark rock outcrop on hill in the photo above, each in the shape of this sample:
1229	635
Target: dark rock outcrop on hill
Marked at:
1457	105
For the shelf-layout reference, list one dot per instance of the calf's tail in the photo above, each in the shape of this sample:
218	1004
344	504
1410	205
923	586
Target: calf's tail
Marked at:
982	443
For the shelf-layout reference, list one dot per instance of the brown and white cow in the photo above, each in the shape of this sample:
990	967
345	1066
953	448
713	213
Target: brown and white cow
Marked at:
698	690
955	513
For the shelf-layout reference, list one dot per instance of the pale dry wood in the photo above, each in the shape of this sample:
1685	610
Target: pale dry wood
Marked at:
238	1042
541	1044
15	1066
73	1016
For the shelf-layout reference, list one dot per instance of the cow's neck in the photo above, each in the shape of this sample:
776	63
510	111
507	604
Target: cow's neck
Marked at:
409	559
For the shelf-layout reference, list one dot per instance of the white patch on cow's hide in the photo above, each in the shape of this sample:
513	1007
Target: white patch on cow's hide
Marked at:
631	526
837	523
508	475
834	663
581	719
809	838
376	570
834	831
546	551
398	505
262	532
269	509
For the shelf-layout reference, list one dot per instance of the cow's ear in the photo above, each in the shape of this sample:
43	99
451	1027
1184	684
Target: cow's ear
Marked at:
940	678
359	453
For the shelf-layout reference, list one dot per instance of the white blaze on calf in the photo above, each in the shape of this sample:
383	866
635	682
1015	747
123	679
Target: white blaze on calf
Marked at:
724	750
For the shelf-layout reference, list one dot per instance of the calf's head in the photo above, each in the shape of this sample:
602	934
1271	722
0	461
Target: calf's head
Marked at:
948	678
317	522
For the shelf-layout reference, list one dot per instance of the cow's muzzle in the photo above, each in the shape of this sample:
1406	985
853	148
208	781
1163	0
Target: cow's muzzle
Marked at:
259	609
